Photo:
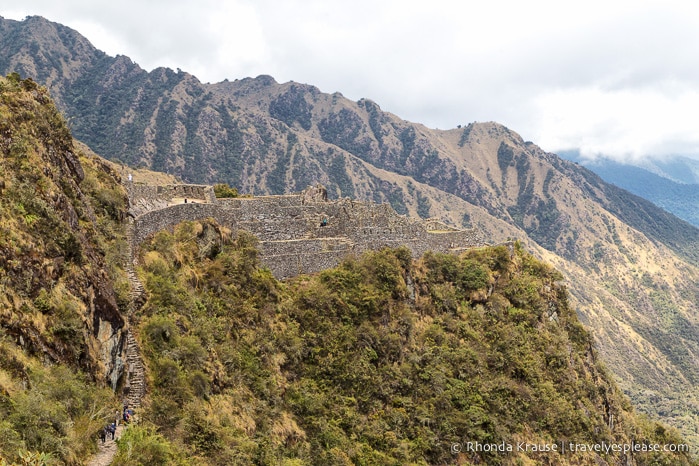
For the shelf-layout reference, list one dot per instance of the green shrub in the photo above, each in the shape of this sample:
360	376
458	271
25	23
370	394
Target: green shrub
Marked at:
58	416
142	445
222	190
472	276
161	333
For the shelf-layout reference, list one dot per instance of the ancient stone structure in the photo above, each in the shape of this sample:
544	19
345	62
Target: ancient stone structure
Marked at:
298	233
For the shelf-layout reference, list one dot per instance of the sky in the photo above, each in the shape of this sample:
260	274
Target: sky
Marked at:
616	78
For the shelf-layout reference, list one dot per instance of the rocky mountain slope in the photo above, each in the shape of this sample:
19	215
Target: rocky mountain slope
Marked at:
630	266
61	287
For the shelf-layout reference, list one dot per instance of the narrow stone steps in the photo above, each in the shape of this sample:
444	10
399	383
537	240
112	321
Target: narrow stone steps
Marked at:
135	388
138	291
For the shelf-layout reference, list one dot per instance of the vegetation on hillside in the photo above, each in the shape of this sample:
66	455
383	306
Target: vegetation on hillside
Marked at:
381	360
670	184
60	237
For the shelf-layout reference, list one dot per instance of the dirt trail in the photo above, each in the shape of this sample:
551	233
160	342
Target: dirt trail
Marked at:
107	450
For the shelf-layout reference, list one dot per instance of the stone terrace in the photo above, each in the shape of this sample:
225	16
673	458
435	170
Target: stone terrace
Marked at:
290	228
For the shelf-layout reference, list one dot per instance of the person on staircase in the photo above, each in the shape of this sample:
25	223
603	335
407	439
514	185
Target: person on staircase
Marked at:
128	414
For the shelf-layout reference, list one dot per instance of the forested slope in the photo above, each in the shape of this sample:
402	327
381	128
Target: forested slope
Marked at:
382	360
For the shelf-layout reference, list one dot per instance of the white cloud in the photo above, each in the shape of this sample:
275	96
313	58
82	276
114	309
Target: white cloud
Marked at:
617	77
627	124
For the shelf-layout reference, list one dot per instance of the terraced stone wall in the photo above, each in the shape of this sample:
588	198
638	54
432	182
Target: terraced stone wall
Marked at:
298	235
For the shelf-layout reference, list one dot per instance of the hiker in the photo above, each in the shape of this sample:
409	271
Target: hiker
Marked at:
126	414
103	434
324	222
112	429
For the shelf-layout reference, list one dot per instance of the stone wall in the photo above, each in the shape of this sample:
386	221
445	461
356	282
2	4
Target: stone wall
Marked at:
299	233
151	222
147	192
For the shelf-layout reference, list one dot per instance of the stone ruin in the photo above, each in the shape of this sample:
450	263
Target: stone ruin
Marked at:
298	233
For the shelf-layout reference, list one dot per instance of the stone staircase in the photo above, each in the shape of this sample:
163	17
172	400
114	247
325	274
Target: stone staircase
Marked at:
135	385
138	291
135	388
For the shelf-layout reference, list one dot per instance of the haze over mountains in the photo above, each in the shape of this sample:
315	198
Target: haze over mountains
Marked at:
672	184
631	266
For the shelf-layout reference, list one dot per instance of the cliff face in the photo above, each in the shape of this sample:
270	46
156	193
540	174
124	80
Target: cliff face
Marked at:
62	289
59	235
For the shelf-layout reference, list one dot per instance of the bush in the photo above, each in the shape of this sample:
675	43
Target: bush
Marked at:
222	190
55	416
141	445
472	276
161	333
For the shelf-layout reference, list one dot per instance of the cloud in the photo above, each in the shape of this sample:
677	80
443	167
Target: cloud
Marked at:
609	77
627	124
208	38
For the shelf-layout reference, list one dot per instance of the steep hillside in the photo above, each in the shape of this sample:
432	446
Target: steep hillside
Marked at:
382	360
60	284
630	266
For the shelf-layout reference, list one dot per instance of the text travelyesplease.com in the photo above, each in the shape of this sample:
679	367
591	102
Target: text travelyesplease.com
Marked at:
567	447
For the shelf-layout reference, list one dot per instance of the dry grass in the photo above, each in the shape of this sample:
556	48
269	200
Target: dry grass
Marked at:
140	175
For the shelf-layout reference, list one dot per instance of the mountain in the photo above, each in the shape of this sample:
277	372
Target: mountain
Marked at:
382	360
680	169
672	184
630	266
